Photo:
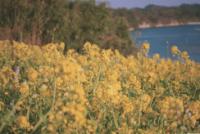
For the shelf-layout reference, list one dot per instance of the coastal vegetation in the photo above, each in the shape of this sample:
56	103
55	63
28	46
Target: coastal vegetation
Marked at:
71	21
75	22
99	91
70	67
154	15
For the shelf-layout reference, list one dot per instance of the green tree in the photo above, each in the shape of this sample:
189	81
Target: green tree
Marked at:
71	21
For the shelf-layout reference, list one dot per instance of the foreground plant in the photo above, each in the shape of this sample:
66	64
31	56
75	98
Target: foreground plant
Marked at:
99	91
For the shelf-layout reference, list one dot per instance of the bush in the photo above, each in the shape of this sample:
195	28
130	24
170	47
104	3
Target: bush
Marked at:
73	22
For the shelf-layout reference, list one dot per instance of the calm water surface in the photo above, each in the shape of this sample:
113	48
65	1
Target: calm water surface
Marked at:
186	37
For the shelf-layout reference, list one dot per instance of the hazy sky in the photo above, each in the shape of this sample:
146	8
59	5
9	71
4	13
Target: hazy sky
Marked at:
143	3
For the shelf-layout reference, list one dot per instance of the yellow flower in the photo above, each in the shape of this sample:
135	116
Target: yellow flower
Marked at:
146	45
171	108
195	112
145	101
156	56
24	88
89	87
174	125
32	74
127	105
23	122
175	50
185	55
59	82
51	117
135	83
51	128
44	91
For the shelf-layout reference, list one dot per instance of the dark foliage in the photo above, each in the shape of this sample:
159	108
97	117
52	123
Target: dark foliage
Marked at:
71	21
153	14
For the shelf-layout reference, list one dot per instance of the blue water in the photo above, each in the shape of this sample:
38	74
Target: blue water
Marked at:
186	37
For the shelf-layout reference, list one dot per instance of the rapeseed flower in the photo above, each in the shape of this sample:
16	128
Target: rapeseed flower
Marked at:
32	74
146	45
175	50
24	88
23	122
98	91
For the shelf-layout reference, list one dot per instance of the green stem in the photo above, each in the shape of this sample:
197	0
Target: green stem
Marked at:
42	119
10	114
115	120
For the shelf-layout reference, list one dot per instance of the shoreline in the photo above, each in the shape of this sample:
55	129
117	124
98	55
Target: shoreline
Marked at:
146	25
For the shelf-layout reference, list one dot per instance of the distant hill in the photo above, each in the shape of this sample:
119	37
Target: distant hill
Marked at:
154	15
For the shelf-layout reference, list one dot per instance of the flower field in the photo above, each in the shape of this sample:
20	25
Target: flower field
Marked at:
97	91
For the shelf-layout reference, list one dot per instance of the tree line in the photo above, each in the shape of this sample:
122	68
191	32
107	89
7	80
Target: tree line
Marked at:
154	14
71	21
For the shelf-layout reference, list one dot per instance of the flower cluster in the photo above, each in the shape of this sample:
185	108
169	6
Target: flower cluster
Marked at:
98	91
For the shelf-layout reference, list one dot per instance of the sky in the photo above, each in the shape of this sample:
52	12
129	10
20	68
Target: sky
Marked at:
143	3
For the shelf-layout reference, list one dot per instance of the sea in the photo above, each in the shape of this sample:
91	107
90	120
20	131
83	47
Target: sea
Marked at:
185	37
